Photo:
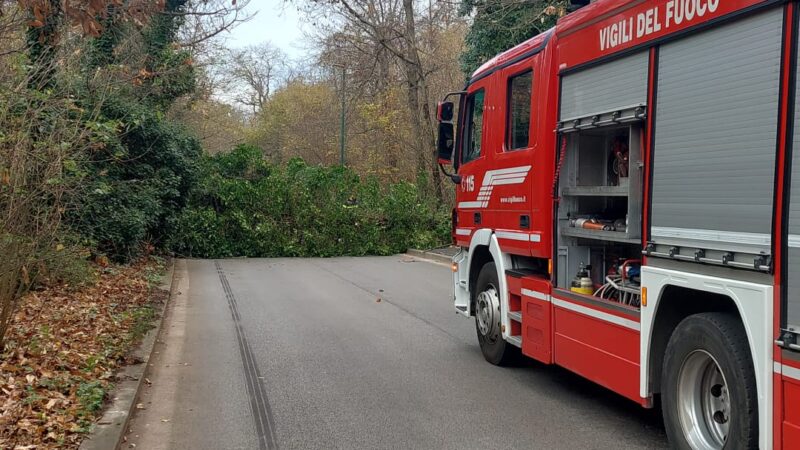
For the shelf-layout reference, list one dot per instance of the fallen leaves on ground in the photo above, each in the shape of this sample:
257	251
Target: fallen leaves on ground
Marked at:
62	352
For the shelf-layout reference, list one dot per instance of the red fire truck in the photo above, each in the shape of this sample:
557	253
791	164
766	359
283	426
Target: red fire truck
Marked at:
628	207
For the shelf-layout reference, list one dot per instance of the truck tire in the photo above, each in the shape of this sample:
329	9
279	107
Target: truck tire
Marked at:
488	319
708	387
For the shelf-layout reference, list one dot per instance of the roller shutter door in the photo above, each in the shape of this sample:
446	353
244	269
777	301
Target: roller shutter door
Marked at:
715	137
618	84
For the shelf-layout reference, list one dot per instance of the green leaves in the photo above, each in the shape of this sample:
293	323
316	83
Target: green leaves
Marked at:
136	179
91	394
499	25
244	206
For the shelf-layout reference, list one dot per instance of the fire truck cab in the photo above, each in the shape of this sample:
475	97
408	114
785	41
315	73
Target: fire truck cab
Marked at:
627	208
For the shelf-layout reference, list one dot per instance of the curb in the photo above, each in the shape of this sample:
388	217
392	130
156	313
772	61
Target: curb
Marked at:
109	430
435	257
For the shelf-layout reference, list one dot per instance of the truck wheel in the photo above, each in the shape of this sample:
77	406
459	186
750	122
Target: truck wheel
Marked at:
708	388
488	319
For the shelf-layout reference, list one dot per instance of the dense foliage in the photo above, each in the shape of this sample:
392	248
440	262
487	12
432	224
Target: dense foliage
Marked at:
136	177
499	25
245	206
90	163
136	184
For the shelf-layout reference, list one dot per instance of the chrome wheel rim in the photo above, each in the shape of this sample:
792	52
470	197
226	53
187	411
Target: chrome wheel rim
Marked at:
487	312
704	406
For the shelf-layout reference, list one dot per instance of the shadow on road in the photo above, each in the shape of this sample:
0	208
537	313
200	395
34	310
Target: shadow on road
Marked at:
591	395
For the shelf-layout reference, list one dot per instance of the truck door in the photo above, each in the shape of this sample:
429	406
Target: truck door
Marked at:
509	181
470	197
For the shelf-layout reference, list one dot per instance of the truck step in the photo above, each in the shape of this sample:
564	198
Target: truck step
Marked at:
515	340
515	315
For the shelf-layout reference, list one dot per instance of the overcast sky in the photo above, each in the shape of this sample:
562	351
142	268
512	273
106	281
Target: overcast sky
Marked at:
274	21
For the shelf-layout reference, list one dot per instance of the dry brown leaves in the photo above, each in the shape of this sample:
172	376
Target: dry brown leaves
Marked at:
63	349
89	13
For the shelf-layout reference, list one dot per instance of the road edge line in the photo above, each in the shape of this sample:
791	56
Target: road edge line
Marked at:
109	430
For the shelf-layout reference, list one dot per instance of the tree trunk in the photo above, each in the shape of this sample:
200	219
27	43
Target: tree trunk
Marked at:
419	104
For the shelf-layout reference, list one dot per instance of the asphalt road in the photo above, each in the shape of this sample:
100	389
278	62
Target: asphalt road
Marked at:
354	353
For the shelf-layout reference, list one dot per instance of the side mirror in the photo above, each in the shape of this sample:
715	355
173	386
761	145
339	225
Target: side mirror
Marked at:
444	111
445	143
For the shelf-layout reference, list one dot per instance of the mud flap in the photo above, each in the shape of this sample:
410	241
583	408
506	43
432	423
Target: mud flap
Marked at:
461	284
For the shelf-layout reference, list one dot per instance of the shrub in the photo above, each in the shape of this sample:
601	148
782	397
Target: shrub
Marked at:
137	180
244	206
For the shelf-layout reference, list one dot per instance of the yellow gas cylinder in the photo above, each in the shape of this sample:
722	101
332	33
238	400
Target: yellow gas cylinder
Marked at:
582	283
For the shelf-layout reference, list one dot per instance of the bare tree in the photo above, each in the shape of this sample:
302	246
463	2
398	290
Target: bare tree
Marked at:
251	74
205	20
389	28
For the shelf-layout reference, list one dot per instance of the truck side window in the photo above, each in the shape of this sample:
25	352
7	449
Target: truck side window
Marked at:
519	110
474	129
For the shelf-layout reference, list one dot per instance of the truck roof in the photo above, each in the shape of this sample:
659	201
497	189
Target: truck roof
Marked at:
511	54
574	21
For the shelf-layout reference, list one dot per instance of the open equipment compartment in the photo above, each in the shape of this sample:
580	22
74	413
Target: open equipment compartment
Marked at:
599	212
